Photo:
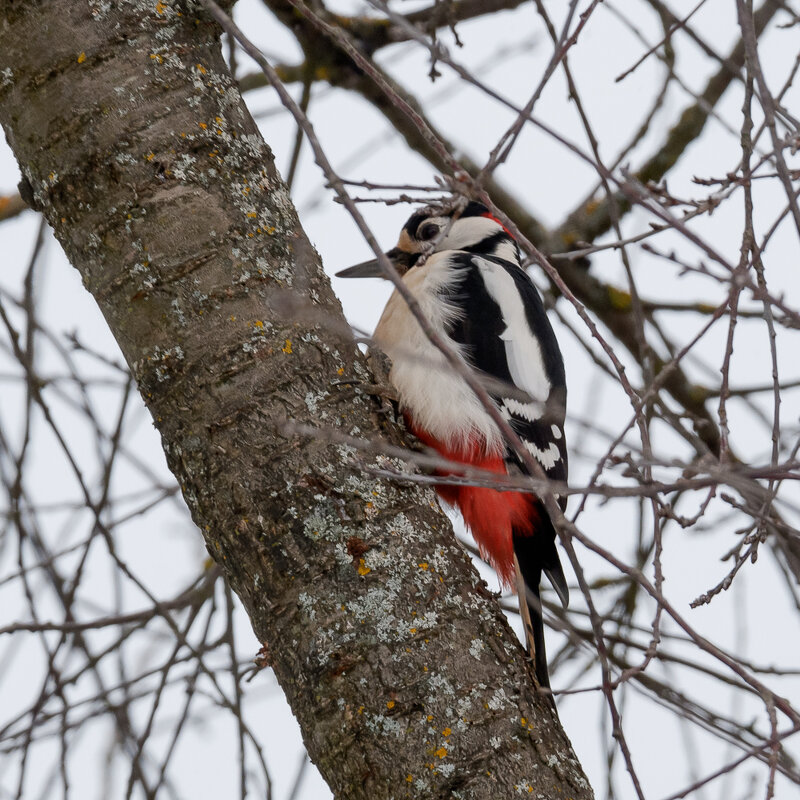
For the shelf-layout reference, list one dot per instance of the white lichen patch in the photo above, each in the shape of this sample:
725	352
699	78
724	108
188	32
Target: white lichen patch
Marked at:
498	700
330	641
476	648
318	525
125	159
284	274
439	560
465	705
428	620
387	726
184	167
100	8
163	361
380	559
306	603
312	401
377	605
343	558
441	685
178	311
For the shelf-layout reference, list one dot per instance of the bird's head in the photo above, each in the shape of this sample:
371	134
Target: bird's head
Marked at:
434	230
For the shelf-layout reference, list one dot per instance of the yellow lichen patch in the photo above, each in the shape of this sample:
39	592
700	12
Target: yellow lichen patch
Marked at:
340	371
412	630
409	778
423	565
592	206
523	721
287	348
160	7
81	58
361	709
430	717
157	57
201	69
251	214
619	299
202	125
258	324
270	230
446	732
150	156
441	752
363	569
390	704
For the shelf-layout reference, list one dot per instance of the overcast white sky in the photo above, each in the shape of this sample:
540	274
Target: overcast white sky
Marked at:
510	51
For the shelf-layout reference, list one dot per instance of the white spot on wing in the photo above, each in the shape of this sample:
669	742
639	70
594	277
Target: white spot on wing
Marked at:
556	431
529	411
547	458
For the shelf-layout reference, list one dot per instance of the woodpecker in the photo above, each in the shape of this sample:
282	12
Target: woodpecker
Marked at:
464	269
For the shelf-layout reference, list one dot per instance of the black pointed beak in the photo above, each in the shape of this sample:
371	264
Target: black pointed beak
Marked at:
401	260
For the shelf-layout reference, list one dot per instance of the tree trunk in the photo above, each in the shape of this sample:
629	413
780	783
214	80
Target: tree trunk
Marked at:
135	143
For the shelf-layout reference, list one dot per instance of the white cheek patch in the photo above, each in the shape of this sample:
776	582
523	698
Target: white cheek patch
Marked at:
467	232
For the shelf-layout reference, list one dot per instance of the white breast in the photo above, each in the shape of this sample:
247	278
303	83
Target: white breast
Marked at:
438	400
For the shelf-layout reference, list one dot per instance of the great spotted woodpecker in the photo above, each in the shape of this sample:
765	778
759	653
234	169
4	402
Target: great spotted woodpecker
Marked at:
463	267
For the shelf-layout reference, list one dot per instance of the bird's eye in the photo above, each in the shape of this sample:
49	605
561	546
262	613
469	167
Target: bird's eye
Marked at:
427	232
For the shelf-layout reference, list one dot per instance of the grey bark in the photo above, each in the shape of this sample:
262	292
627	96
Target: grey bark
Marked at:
135	143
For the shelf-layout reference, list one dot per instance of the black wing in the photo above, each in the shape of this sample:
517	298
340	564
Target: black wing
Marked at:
498	340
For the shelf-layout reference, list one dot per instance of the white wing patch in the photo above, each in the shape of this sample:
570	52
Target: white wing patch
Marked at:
529	411
547	458
523	353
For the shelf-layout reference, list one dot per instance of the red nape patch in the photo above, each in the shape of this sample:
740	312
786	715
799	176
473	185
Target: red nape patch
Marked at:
490	515
489	215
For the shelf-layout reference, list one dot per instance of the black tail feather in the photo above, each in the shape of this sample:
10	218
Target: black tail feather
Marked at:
537	554
537	631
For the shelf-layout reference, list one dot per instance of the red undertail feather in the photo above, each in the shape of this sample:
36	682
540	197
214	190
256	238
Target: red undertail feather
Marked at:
492	516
